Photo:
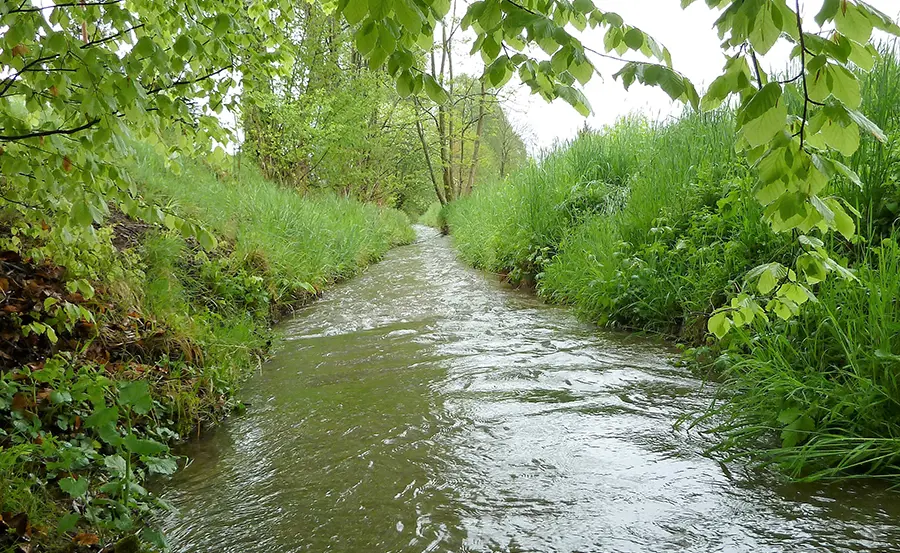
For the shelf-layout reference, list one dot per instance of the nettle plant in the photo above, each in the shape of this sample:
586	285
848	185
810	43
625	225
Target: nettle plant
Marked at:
795	154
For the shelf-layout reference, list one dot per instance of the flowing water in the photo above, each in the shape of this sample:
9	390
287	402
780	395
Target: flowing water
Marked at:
426	407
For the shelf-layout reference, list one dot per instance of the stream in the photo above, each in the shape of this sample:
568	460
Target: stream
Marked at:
426	407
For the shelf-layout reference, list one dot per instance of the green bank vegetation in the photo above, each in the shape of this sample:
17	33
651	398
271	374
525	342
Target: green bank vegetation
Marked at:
142	264
656	226
100	381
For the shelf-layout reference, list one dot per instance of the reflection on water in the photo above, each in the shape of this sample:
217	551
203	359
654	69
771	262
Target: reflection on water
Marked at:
425	407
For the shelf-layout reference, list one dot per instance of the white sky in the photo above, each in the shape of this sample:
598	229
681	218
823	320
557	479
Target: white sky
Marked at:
694	45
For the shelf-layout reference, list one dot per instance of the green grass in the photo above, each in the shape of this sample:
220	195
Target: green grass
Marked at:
652	226
277	250
432	217
179	327
295	239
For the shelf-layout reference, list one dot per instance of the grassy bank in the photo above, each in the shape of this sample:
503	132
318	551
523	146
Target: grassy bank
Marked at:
653	226
150	334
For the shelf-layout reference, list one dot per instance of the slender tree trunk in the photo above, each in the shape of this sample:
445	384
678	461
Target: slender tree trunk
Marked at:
437	187
479	130
448	114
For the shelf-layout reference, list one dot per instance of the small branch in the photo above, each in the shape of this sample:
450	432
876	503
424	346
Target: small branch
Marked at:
756	68
792	80
12	79
17	202
111	37
21	9
191	81
806	99
37	134
615	58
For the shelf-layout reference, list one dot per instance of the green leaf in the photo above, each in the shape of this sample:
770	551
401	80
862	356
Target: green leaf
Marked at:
75	488
766	28
764	116
136	395
102	417
828	11
140	446
435	91
67	522
853	23
355	11
207	241
634	39
116	464
161	465
404	84
767	282
81	213
845	86
843	223
719	324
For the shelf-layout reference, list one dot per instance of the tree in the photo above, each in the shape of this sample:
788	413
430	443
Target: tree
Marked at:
83	80
506	139
796	154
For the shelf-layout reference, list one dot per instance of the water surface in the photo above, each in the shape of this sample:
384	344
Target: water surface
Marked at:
425	407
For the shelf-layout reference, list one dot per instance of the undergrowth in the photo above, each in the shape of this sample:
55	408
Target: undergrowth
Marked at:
114	352
653	226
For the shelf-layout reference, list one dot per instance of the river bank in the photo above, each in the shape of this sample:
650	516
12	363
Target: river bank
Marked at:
654	226
427	406
128	339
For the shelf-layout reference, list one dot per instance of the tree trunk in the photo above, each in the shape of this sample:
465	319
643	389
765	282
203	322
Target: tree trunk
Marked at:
437	188
479	130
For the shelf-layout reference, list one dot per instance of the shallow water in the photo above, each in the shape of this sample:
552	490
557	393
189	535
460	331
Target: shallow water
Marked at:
426	407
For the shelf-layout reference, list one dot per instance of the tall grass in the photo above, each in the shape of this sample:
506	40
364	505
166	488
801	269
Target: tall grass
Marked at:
653	226
277	248
315	239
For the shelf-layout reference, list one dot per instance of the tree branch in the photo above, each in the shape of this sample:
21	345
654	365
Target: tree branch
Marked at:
20	9
12	79
111	37
191	81
806	99
37	134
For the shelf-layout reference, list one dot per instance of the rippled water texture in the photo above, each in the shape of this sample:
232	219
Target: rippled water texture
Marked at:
426	407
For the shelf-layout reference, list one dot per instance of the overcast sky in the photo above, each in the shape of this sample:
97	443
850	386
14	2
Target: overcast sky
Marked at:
694	45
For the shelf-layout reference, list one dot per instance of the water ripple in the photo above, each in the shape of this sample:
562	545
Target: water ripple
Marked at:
424	407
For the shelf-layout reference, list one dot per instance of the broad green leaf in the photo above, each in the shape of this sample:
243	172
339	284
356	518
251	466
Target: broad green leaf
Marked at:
853	23
355	11
136	395
766	283
116	464
140	446
435	91
67	522
75	488
764	116
719	324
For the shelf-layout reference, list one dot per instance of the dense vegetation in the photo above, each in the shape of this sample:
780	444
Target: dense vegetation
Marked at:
143	262
159	345
655	226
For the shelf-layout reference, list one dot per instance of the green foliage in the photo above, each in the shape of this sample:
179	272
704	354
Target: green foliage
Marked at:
796	154
659	228
826	382
433	216
81	80
334	124
180	326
